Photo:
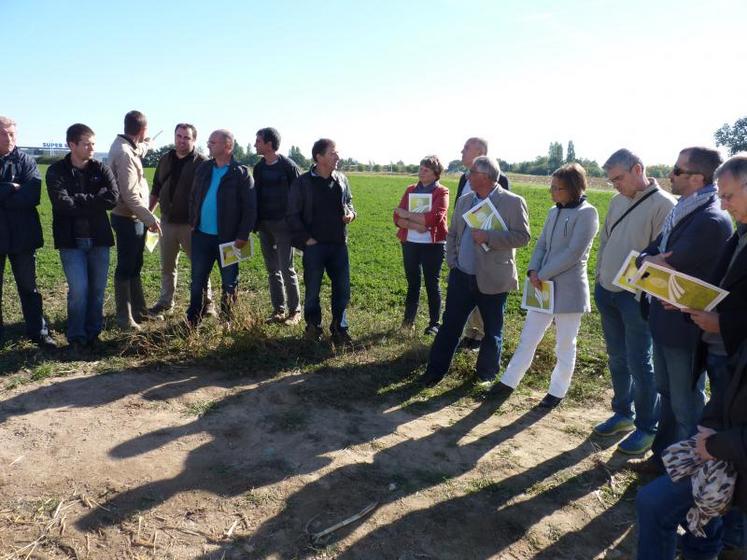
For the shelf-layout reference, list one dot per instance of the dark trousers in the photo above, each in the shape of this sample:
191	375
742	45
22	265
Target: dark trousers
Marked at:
332	258
462	296
205	254
24	272
130	246
429	257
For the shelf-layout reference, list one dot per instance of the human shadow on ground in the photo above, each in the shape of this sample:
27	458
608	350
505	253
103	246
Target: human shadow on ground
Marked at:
492	519
249	449
409	467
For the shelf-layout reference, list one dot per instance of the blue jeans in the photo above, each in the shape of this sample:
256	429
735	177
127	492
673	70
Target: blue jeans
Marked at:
429	257
86	269
628	340
130	246
278	253
205	254
332	257
462	296
661	506
681	402
24	272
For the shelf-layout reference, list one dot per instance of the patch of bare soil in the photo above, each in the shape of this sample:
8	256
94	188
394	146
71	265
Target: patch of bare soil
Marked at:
197	464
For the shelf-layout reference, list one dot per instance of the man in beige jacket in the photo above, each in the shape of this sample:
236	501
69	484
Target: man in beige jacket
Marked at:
130	218
483	271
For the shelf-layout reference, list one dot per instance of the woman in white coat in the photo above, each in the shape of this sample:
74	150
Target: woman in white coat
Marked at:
560	256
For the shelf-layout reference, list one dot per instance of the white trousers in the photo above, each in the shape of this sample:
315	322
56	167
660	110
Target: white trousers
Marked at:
566	329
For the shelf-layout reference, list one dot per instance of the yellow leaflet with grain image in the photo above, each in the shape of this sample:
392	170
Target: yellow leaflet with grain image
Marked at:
628	270
676	288
539	299
484	216
419	203
231	254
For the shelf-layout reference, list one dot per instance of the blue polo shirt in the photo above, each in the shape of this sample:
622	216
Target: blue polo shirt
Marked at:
209	210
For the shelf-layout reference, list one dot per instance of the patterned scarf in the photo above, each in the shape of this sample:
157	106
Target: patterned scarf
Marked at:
685	206
712	481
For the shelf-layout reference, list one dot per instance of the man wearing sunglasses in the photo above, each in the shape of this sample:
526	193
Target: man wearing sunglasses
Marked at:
694	233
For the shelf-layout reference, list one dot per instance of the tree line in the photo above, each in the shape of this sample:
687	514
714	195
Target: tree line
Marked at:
733	137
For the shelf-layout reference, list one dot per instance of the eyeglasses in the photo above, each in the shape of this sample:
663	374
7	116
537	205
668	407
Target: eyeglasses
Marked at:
677	171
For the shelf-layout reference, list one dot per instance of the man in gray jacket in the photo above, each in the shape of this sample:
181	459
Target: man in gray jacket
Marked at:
634	219
483	270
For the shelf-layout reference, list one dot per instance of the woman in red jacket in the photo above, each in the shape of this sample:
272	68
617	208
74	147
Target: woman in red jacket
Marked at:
421	218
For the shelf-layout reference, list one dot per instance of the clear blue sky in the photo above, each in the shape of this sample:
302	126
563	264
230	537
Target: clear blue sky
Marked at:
388	80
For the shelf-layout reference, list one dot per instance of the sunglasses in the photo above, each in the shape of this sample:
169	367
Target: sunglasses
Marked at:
677	171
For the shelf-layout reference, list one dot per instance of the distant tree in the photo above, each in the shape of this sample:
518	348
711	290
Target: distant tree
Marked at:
734	137
151	158
455	166
592	167
659	170
251	158
570	156
412	169
555	155
376	168
504	165
239	153
295	154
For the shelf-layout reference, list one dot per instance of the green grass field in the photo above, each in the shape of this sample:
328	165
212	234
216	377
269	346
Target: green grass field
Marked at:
378	290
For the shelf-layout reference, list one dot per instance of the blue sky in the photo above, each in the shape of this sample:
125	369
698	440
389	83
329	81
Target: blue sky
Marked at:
387	80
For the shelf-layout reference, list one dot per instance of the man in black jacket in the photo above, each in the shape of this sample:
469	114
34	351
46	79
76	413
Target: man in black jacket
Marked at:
320	207
20	230
273	176
223	209
172	184
474	147
81	190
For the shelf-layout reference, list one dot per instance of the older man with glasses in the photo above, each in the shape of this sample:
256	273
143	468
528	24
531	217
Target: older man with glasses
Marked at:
483	271
635	217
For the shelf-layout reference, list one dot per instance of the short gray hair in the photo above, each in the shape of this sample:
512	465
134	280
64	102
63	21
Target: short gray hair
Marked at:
481	142
484	164
7	122
736	166
227	135
623	158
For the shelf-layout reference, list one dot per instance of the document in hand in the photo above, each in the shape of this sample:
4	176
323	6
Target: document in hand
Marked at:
681	290
231	254
627	272
419	203
484	216
151	240
538	300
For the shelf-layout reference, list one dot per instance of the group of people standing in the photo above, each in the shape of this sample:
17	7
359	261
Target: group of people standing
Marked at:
482	268
204	203
659	355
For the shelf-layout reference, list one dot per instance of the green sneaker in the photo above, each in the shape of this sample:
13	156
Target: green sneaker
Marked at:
613	425
636	443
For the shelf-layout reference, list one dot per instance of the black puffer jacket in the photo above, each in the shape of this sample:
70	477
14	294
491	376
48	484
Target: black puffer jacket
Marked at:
237	200
20	228
76	194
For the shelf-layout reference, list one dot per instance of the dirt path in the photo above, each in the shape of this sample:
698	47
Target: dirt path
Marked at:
196	464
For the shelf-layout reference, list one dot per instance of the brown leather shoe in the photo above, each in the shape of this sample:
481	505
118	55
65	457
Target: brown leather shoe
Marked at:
650	466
